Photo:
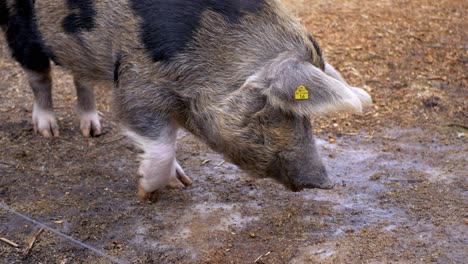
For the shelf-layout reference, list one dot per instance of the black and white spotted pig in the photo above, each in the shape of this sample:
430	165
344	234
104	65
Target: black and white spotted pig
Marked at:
242	75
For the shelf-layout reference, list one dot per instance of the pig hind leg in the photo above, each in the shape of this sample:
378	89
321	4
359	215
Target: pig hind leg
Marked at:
158	165
89	118
43	116
27	48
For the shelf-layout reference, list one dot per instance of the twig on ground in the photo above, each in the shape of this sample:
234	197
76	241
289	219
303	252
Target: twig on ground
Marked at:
9	242
458	125
349	134
407	180
112	140
33	241
371	135
261	256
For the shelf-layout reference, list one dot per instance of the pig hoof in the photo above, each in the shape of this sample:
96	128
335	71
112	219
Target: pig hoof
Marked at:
180	179
147	196
90	125
175	184
45	123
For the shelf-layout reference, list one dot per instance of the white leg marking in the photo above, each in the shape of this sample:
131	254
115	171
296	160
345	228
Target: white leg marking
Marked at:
44	122
90	124
158	166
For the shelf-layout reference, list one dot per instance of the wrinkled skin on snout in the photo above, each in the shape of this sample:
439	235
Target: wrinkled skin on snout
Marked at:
294	160
299	166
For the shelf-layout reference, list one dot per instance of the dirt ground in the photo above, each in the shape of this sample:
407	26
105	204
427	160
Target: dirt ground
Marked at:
401	167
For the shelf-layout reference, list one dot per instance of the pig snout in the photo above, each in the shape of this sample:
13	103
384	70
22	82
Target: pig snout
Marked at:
308	180
299	171
313	181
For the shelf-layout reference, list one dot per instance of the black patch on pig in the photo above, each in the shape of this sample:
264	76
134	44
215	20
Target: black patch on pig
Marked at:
168	26
3	13
318	50
81	17
316	45
53	57
24	38
118	59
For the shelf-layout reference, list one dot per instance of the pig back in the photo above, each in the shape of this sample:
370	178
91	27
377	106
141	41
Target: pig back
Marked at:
83	36
196	43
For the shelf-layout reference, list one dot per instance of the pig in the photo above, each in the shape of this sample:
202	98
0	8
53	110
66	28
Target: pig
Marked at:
243	76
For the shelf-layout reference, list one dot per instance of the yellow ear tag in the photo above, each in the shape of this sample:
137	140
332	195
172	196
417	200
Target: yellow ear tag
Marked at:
302	93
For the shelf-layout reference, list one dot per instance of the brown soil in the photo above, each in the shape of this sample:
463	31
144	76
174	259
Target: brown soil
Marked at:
400	167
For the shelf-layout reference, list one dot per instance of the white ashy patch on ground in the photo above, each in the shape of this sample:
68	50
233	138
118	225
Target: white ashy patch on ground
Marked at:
351	167
212	217
315	253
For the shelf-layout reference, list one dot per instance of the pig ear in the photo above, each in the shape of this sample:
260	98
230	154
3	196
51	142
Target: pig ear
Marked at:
304	89
363	96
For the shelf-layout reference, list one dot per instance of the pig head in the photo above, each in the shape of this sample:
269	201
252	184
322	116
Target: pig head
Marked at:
265	129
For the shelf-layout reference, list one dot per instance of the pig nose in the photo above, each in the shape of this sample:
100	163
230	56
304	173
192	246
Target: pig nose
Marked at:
319	183
326	184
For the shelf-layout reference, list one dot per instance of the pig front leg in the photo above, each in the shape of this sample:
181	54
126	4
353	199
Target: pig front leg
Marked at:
158	166
89	118
144	108
44	121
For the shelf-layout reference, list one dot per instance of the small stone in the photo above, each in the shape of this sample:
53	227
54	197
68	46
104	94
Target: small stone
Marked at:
432	101
376	176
